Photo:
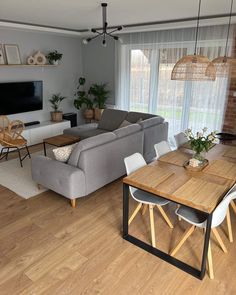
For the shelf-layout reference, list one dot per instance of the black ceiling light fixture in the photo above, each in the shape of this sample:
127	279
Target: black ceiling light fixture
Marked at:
104	32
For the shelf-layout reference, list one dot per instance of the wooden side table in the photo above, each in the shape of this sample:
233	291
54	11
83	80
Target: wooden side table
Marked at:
59	141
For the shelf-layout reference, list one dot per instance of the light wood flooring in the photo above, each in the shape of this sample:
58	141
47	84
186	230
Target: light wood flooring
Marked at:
47	247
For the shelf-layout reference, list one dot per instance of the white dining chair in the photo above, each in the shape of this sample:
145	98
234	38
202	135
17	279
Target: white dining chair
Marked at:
162	148
198	220
180	139
228	218
132	163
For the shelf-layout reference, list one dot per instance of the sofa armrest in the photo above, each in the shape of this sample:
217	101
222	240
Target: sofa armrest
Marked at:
62	178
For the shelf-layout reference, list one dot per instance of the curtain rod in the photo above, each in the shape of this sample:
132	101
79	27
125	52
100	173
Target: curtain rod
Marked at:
124	26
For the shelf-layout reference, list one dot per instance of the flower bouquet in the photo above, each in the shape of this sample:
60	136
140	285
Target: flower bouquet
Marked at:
200	143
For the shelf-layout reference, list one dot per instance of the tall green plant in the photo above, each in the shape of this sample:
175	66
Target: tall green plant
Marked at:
82	97
56	100
100	94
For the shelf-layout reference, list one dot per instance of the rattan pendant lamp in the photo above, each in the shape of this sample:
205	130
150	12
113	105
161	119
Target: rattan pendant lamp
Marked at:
193	67
224	64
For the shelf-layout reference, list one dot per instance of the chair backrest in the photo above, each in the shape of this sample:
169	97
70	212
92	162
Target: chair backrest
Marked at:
133	163
221	210
162	148
180	139
4	124
16	128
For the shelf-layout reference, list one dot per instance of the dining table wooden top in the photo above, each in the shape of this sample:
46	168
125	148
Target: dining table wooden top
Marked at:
201	190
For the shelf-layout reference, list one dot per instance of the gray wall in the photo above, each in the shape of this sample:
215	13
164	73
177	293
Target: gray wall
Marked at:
56	79
99	64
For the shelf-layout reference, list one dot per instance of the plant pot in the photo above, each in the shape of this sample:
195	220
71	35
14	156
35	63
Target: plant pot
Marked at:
98	113
55	62
88	114
56	116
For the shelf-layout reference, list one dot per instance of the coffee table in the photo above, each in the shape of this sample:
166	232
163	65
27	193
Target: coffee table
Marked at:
59	141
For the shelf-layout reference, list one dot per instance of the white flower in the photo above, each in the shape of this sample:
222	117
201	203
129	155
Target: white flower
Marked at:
211	137
204	129
199	134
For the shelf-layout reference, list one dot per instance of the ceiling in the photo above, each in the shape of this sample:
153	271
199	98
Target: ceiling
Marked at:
83	15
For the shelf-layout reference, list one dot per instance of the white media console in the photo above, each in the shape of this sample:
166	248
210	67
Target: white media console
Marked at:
36	133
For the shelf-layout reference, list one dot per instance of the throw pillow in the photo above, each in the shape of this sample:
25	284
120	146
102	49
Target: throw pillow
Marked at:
62	154
124	124
139	120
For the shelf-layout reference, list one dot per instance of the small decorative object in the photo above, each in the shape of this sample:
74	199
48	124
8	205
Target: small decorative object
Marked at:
12	54
82	98
54	57
201	143
31	60
40	58
55	101
100	94
2	59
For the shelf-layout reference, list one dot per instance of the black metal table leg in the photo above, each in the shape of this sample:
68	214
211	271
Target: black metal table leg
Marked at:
44	148
206	246
125	210
160	254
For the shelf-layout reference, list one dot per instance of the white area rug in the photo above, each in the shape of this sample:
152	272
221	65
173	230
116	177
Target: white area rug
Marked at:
18	179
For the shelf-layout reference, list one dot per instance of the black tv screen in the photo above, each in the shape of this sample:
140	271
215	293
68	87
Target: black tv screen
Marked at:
21	97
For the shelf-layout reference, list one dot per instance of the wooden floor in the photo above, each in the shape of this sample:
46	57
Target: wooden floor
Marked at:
46	247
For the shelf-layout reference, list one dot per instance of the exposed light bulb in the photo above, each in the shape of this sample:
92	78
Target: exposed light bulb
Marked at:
104	44
121	40
85	41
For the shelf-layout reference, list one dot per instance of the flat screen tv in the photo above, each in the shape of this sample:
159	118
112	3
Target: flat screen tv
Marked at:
20	97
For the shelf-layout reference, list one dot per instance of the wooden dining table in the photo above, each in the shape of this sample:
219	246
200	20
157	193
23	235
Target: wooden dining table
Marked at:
202	190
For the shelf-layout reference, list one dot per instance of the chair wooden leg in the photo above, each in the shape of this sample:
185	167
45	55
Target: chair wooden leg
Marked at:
152	226
222	245
229	226
233	206
144	209
210	264
73	203
135	213
165	216
186	235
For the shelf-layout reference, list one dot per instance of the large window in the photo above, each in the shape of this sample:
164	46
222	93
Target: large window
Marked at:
147	86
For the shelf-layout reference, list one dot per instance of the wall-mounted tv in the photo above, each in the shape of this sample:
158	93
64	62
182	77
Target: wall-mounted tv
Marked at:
20	97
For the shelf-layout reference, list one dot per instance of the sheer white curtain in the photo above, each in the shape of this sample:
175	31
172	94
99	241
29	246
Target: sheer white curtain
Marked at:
143	77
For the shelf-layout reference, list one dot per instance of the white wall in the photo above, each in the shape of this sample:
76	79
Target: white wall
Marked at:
99	64
56	79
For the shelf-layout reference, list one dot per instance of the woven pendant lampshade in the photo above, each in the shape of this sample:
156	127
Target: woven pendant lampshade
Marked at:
224	65
194	67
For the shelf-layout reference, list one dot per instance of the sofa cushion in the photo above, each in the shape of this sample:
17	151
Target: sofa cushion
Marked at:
88	144
62	154
121	132
134	117
84	132
152	121
124	124
111	119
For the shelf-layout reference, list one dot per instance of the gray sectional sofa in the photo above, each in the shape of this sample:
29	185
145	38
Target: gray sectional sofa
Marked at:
98	158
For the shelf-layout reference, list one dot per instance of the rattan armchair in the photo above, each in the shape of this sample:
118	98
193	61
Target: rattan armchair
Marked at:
11	138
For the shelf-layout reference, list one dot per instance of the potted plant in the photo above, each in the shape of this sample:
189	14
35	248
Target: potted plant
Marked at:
54	57
55	100
200	143
82	99
100	94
